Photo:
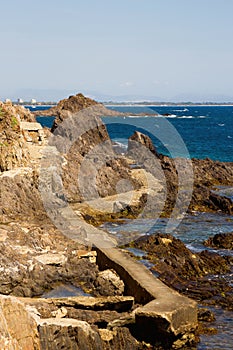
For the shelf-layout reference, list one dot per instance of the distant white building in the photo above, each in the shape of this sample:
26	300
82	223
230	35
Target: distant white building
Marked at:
33	101
7	100
20	100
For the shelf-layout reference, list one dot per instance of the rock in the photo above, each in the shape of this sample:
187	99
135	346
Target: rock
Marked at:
120	338
122	321
119	206
13	148
91	255
56	333
92	168
220	241
109	283
144	140
207	174
18	329
74	104
52	259
19	196
116	303
60	313
25	271
187	272
205	315
85	316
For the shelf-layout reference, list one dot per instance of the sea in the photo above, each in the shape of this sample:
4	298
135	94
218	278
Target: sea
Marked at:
192	131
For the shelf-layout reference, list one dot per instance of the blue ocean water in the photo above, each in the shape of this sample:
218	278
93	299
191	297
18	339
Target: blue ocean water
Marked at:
206	131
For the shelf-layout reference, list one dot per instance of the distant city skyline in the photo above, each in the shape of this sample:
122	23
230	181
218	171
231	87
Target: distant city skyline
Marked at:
161	50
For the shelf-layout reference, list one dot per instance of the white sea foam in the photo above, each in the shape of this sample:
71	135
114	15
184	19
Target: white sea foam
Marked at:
186	117
119	144
170	116
181	110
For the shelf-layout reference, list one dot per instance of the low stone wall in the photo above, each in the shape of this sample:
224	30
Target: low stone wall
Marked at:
165	311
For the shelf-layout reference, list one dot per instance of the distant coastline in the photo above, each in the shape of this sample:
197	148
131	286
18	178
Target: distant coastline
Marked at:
167	104
129	103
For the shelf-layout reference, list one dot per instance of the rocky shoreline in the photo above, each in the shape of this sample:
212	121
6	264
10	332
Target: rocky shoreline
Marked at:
36	257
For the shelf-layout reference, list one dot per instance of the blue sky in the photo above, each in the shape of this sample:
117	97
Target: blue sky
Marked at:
141	49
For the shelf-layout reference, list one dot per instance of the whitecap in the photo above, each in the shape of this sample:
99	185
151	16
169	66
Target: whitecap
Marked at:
133	116
181	110
221	124
170	116
186	117
117	143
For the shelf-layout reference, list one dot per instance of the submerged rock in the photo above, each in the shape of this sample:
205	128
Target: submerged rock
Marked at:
197	275
220	241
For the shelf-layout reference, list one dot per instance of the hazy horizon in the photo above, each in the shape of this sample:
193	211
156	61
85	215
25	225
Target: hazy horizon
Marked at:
162	50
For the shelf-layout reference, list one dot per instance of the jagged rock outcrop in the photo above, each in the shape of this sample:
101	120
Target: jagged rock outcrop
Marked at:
93	169
206	175
13	148
72	105
142	139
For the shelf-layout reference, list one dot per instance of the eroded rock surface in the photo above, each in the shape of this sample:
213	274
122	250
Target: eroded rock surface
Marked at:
188	272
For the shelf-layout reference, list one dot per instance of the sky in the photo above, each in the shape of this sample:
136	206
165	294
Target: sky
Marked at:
161	50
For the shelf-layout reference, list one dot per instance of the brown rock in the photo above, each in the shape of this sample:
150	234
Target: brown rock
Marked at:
139	138
13	148
18	330
72	105
220	241
109	283
187	272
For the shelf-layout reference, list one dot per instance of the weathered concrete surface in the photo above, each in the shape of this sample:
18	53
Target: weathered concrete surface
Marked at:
165	309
